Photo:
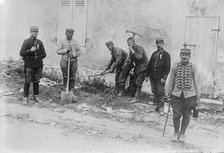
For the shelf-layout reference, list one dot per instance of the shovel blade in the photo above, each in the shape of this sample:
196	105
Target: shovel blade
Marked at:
67	97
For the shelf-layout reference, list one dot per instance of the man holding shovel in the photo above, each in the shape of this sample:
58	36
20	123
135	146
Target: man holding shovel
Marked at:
183	87
33	53
118	56
69	50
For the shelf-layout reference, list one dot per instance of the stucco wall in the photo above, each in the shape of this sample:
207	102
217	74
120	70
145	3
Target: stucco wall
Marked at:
107	20
20	15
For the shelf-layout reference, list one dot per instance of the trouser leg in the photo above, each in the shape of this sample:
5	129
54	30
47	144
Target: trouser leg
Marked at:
36	79
64	82
176	122
26	89
117	77
72	75
139	81
184	124
161	93
35	88
124	75
28	80
71	84
64	67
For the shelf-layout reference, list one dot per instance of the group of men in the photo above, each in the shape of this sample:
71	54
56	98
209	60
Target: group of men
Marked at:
157	68
182	86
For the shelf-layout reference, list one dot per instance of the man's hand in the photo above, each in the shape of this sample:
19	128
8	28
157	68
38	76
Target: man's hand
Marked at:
162	81
34	48
147	79
70	54
110	70
69	48
197	101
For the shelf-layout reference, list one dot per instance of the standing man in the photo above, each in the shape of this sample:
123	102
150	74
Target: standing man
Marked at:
138	60
33	53
118	56
68	48
183	87
158	70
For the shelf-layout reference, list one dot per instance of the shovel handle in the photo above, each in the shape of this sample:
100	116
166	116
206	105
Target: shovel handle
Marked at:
100	74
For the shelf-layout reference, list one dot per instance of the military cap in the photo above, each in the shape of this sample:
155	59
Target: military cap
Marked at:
109	43
34	28
160	39
70	30
185	51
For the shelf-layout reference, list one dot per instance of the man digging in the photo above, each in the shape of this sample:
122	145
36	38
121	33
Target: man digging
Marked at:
118	56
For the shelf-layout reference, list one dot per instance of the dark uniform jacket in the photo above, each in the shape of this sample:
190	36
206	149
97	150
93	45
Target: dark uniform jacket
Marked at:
159	65
33	59
139	58
117	59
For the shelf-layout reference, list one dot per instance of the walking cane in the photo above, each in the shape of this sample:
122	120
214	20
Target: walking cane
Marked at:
166	119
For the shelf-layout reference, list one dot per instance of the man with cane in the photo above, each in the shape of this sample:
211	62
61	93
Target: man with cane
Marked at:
183	87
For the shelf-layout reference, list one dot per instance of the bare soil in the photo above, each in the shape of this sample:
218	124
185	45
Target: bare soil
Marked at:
98	122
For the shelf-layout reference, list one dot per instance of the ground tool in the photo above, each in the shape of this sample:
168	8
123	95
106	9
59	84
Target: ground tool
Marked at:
100	74
134	33
167	115
68	96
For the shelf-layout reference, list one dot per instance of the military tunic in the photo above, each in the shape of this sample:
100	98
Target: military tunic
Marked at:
158	68
33	63
118	56
137	60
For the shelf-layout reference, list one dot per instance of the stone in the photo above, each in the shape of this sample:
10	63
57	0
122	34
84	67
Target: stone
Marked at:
52	123
210	104
21	90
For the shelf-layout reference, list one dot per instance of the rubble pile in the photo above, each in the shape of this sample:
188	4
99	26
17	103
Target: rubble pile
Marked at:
12	68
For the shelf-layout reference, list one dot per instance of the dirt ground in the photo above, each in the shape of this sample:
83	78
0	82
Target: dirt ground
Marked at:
97	122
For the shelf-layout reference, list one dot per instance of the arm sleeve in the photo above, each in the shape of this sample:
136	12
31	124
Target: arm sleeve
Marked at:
77	52
61	50
24	51
196	81
139	54
171	81
118	60
110	63
167	66
149	66
43	53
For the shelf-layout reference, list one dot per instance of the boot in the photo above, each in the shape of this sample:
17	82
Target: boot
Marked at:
136	98
71	84
37	99
25	100
121	91
181	138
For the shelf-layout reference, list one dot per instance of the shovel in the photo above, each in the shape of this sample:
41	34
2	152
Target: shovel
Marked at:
68	96
100	74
